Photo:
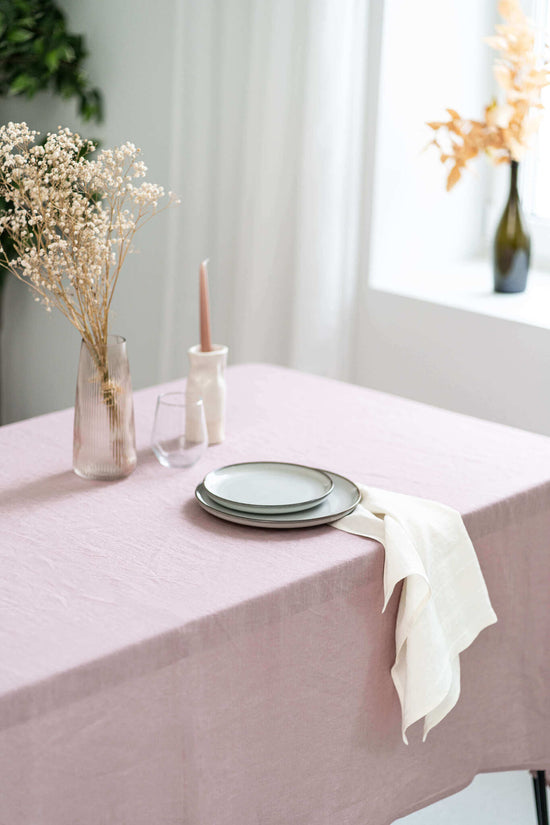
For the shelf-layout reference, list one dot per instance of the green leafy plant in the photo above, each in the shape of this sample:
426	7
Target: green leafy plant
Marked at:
38	53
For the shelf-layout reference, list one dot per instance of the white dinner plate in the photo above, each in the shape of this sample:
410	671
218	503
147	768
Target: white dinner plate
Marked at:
267	487
342	500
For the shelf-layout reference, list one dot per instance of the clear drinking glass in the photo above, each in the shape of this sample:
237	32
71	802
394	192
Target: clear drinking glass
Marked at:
179	435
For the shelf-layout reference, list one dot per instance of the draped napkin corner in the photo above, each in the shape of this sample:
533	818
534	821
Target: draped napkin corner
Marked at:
444	601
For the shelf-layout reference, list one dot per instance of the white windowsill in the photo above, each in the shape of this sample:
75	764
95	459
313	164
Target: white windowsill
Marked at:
469	286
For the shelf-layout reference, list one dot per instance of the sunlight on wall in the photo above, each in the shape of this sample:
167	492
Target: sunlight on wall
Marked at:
433	57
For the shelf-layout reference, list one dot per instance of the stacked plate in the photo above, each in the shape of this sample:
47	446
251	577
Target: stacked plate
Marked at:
276	494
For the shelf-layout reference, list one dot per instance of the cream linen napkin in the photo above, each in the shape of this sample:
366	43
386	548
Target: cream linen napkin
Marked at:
444	601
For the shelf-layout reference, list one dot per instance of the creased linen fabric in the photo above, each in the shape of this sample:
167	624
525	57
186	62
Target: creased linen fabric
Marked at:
159	665
444	602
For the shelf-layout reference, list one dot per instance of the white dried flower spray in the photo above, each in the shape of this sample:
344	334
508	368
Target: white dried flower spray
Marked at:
71	222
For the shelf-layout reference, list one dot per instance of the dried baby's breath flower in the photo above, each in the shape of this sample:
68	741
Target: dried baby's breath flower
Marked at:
71	222
506	129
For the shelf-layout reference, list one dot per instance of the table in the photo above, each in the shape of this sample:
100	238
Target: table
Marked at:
162	667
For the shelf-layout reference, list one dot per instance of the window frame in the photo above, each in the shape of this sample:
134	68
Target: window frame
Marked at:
539	225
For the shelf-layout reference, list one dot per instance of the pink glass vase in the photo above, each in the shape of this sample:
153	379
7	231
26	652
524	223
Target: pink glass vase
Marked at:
104	443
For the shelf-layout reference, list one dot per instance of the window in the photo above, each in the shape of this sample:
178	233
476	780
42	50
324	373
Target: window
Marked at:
535	183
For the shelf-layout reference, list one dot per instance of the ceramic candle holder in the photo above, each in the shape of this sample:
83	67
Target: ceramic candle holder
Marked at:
207	381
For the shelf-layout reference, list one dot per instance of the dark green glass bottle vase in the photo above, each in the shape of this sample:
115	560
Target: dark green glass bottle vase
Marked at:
512	248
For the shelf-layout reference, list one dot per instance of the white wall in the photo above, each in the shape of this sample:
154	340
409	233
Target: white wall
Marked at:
488	367
433	57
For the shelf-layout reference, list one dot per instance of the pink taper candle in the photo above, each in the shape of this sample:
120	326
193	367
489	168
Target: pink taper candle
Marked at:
206	340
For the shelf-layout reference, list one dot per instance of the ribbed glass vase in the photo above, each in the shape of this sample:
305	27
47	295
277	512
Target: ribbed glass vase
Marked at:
104	444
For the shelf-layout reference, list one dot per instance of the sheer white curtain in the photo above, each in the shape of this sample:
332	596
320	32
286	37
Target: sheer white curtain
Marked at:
269	134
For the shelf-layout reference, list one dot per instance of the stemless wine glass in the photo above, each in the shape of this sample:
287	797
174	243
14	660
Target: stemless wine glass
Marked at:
179	435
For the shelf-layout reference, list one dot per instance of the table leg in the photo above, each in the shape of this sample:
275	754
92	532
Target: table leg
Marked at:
539	786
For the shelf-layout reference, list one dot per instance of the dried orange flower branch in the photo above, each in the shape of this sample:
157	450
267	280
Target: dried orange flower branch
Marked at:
507	128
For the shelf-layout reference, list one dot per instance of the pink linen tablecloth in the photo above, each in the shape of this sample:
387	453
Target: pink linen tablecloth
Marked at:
161	667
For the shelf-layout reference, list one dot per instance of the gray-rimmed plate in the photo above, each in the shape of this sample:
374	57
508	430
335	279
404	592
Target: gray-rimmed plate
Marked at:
268	487
342	500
